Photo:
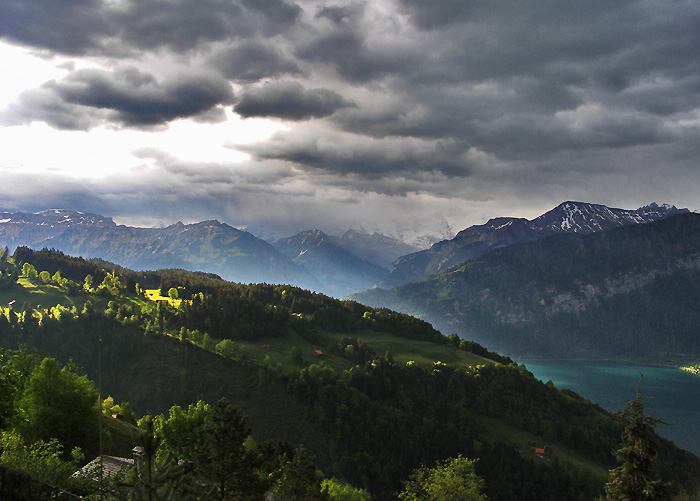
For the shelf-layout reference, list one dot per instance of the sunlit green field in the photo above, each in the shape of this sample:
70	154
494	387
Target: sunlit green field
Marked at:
402	350
39	295
154	295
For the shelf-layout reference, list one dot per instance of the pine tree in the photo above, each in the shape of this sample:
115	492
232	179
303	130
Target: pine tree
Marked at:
152	480
635	477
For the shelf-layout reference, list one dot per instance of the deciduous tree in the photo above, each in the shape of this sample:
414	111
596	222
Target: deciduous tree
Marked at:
451	480
223	459
299	479
183	431
29	271
60	404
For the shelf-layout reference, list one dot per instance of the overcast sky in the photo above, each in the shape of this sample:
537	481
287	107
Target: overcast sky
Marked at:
402	116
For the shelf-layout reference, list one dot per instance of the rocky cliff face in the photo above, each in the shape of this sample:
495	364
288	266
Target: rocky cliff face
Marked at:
568	217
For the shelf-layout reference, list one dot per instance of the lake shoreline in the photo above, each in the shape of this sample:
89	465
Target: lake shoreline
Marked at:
692	369
672	393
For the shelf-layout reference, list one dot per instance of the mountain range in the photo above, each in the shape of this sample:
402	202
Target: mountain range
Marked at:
312	260
334	265
629	293
581	281
568	217
208	246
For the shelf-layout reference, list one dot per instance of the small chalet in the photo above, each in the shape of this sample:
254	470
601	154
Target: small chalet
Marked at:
111	465
318	353
266	347
539	451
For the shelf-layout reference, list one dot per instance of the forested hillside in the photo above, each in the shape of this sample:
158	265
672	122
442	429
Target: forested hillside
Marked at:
372	394
629	293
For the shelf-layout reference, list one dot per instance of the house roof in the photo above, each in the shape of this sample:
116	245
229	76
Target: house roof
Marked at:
110	466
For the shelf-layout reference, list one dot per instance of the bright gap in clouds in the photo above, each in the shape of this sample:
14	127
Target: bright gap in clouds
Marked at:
103	151
34	72
106	151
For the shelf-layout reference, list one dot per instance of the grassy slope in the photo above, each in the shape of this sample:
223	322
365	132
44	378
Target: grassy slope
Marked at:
38	295
123	437
424	353
494	430
166	372
191	373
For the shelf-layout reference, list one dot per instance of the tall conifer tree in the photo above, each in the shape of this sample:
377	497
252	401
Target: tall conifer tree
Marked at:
635	477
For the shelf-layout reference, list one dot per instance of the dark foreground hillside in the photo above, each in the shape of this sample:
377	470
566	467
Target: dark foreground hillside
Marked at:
368	418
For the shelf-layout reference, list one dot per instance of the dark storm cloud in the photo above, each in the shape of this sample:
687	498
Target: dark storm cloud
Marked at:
438	13
276	11
78	27
353	58
394	96
70	27
179	26
532	15
340	14
45	106
584	45
498	76
289	101
126	96
189	24
252	62
348	154
577	51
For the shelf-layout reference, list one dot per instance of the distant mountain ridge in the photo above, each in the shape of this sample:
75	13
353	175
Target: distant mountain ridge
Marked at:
208	246
568	217
335	265
629	293
339	270
376	248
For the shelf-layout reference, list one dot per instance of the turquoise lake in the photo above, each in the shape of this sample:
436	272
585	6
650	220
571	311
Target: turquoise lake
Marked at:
675	394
